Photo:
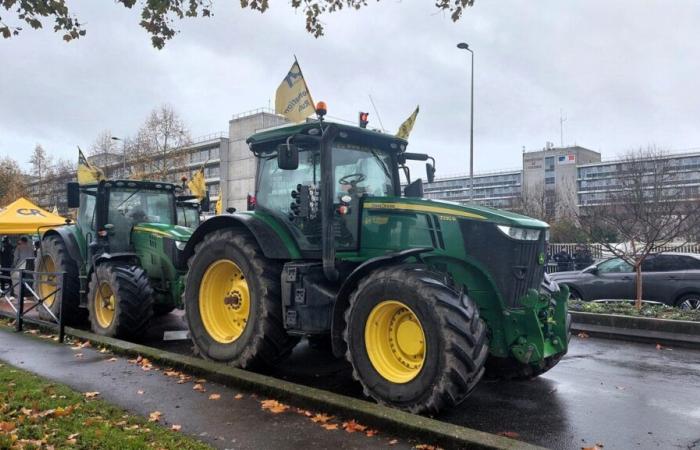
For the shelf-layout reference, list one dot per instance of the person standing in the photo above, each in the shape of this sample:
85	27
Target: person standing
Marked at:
24	251
6	257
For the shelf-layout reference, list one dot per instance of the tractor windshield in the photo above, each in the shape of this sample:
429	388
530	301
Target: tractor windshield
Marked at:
361	171
187	215
128	207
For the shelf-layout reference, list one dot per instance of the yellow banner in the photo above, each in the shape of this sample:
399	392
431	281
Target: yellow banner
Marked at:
197	185
219	205
293	99
87	173
406	127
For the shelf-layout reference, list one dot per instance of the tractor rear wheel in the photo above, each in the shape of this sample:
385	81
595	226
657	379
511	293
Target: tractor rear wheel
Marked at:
120	300
512	369
233	302
54	257
414	342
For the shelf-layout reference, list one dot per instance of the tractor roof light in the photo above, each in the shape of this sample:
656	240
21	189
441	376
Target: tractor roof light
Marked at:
321	109
521	234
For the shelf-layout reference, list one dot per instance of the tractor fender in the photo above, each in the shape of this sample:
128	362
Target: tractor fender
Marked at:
269	241
70	242
342	299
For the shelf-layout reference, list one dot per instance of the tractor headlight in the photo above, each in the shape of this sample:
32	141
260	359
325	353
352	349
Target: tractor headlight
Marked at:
180	245
521	234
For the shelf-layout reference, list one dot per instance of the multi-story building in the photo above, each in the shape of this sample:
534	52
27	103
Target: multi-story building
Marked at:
681	177
498	189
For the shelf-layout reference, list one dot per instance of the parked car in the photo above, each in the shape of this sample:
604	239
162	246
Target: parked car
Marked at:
670	278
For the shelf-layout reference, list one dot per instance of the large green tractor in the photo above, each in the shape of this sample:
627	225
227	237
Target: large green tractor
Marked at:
122	257
422	297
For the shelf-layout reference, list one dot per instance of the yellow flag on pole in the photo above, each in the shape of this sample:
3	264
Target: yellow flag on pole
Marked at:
87	173
293	99
219	205
407	125
197	185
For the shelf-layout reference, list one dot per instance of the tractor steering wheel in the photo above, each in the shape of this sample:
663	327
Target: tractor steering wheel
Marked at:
352	179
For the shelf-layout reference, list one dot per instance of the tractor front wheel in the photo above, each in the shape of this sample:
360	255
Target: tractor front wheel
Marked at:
233	302
414	342
120	300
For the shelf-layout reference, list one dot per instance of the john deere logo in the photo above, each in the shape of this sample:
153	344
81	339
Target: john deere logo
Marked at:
540	259
29	212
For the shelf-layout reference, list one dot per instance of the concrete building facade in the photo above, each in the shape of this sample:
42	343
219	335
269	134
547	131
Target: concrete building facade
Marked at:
497	190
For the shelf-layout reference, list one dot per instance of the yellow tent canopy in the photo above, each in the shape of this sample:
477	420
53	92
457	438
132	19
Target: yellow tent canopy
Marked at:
24	217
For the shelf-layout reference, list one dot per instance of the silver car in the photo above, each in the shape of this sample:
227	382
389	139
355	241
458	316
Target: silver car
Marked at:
670	278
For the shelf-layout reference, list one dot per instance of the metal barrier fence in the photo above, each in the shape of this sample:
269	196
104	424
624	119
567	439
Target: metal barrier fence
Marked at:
22	284
599	250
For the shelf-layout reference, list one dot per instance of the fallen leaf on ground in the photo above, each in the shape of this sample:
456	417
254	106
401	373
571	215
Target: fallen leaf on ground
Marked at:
238	396
78	355
330	426
393	442
321	418
509	434
427	447
305	412
111	359
621	388
274	406
91	394
140	392
7	426
595	447
214	397
583	335
371	433
201	380
154	416
72	439
103	350
176	427
199	388
171	373
351	426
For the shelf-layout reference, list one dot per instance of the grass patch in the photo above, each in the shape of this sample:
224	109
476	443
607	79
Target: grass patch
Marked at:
38	414
628	309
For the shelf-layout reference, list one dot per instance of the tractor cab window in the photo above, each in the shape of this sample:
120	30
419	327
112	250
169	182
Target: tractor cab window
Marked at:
86	212
361	171
132	206
187	216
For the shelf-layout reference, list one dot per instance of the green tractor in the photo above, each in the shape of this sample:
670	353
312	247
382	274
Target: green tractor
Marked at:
422	297
122	258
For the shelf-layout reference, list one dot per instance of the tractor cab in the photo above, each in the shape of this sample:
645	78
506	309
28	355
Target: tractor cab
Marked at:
189	209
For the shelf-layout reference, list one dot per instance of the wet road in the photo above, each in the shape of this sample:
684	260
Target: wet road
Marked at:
621	394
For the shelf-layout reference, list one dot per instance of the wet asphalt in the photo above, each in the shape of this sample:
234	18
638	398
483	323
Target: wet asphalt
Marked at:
624	395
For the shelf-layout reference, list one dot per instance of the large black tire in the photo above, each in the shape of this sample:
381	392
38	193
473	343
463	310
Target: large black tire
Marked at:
133	300
54	253
512	369
455	338
263	340
161	309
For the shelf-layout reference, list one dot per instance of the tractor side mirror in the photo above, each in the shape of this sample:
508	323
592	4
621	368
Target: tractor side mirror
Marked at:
430	172
73	194
205	204
287	156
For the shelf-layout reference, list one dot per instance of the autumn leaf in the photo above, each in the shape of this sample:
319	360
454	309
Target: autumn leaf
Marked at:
583	335
78	355
427	447
176	427
509	434
371	433
91	394
352	426
238	396
274	406
140	392
72	439
321	418
171	373
111	359
154	416
214	397
7	426
595	447
330	426
103	350
201	380
393	442
199	388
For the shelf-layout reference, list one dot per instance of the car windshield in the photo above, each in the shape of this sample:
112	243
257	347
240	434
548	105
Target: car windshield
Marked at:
132	206
615	265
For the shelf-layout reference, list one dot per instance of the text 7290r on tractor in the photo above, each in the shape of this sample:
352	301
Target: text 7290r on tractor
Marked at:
122	258
421	296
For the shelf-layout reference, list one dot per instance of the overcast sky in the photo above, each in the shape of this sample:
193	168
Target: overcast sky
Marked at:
625	73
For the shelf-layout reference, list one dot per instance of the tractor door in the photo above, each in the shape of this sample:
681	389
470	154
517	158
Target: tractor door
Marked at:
87	216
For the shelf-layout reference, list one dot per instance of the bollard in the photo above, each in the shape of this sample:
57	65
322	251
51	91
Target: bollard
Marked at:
20	302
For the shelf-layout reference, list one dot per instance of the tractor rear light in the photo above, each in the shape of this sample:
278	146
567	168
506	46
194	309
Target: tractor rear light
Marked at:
251	202
521	234
343	209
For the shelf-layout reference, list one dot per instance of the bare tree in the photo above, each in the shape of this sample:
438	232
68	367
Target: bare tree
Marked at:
156	149
12	185
42	164
643	208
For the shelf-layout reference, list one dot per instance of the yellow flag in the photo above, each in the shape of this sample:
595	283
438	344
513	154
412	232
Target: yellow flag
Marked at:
219	205
293	99
87	173
197	185
54	210
407	126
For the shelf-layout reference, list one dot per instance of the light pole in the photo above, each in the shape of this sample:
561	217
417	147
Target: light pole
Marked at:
114	138
465	46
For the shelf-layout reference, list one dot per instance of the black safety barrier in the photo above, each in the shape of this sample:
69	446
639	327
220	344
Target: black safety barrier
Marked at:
22	284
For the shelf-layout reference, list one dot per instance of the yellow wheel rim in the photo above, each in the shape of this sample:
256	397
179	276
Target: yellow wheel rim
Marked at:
224	301
47	283
395	341
105	305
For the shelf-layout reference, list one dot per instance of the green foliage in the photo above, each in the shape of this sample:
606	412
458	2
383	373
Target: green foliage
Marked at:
35	413
628	309
158	16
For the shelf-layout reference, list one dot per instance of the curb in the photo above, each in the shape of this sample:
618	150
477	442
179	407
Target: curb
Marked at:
441	433
675	332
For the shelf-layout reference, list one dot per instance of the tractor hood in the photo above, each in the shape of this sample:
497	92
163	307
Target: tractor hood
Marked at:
446	208
175	232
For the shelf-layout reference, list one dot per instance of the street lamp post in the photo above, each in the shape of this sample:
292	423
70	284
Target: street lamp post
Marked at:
465	46
114	138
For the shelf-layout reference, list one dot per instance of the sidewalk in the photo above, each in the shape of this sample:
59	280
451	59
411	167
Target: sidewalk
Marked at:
234	419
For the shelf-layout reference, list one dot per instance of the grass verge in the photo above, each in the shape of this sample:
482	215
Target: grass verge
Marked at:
36	413
628	309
